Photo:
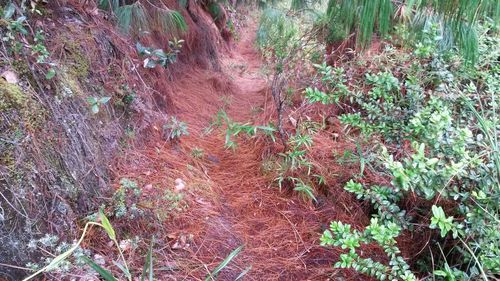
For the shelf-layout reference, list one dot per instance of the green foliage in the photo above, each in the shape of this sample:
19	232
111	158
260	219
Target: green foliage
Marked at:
445	224
108	276
213	274
95	103
429	42
383	234
384	108
295	168
108	5
304	189
104	273
457	20
156	57
56	261
174	129
215	10
276	36
233	129
384	200
126	198
333	82
39	50
364	16
16	36
148	264
452	128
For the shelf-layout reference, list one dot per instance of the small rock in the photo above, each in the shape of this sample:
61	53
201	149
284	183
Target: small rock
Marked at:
98	259
148	187
213	159
125	245
10	77
170	266
179	184
201	201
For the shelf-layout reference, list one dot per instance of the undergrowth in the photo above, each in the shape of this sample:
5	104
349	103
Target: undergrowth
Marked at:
453	158
426	105
433	116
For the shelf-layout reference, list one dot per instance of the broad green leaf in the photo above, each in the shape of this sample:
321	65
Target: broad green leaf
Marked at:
50	74
95	108
140	48
104	100
92	100
149	63
8	12
106	275
440	273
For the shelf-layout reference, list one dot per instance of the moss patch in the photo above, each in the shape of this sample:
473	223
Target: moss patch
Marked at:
11	96
79	64
68	84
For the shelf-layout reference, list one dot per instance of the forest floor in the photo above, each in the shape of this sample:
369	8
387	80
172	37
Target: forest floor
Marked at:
230	199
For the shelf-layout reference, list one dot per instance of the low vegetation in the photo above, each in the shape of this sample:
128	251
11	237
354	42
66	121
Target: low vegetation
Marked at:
392	104
430	112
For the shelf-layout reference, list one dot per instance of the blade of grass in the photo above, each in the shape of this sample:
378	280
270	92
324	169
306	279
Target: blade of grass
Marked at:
148	265
224	263
106	275
243	273
361	159
107	226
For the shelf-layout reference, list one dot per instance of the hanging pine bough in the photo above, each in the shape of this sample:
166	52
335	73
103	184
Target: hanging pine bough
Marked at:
139	18
456	19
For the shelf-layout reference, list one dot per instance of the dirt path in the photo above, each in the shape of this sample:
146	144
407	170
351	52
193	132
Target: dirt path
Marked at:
279	232
230	200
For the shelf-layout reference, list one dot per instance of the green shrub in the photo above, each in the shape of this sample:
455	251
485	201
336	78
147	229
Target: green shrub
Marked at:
156	57
174	129
454	156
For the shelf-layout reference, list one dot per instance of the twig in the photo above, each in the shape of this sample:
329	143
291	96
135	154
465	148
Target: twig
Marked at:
15	266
